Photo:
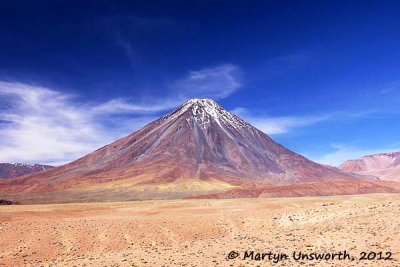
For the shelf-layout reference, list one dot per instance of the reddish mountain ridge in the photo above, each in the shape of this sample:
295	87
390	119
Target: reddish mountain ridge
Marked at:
11	170
199	149
385	166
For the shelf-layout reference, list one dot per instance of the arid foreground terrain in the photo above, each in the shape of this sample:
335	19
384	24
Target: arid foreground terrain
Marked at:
200	232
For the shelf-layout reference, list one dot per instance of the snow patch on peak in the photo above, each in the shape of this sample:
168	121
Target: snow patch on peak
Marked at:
200	100
24	164
204	111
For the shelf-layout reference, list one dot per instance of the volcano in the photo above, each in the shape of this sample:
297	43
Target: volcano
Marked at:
197	150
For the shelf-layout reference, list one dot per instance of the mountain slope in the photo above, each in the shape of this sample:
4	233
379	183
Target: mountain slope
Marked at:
385	166
10	170
197	149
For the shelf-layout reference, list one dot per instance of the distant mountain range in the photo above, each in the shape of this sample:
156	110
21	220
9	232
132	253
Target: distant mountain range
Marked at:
197	150
11	170
385	166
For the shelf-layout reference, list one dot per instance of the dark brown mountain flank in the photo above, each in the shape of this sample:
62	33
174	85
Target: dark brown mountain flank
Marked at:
197	149
10	170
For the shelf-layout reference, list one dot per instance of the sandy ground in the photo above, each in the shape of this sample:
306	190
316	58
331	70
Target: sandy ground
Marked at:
200	232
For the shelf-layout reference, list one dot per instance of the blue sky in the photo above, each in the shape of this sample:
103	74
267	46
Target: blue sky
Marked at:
321	77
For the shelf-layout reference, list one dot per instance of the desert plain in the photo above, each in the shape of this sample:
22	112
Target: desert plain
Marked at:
201	232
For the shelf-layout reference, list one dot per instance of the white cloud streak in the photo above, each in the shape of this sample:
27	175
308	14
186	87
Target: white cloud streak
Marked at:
120	105
46	126
279	125
217	83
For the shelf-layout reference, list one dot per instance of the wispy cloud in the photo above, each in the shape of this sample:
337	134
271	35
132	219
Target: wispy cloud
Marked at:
50	127
217	82
121	105
284	124
279	125
340	153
